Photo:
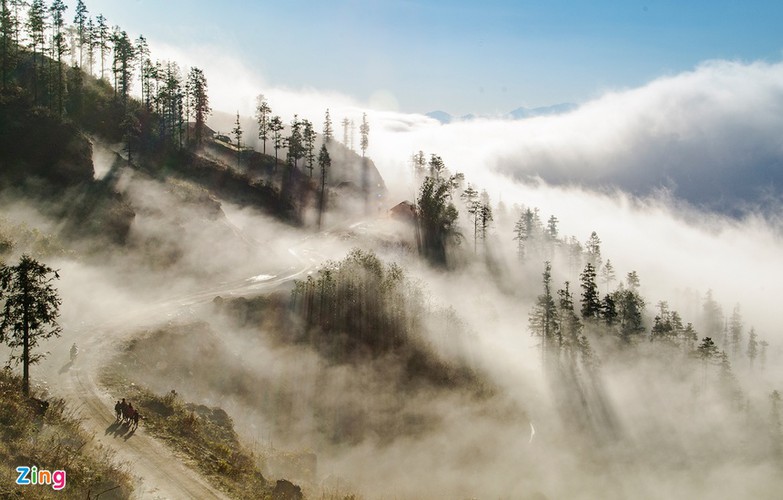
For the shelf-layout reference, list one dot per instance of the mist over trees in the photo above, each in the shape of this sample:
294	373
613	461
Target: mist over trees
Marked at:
596	333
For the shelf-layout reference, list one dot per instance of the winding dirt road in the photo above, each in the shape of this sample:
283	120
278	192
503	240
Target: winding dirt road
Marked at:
160	472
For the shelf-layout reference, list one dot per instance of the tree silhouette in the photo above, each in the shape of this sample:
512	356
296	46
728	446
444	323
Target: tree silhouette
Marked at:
276	129
551	228
364	132
308	138
543	316
35	31
753	346
345	123
143	56
593	250
6	40
569	326
325	162
295	143
707	350
237	131
437	217
263	111
437	166
80	21
60	48
123	65
591	304
472	205
484	216
328	130
735	331
30	307
91	41
419	166
199	101
102	41
607	274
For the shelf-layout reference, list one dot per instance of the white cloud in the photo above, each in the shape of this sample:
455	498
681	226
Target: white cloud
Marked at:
707	135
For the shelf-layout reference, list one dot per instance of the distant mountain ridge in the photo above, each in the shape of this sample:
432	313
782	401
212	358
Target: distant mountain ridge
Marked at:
520	113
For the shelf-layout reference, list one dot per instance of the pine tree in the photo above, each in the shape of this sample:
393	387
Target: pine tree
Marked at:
662	327
630	307
437	217
632	280
237	131
6	40
593	250
91	42
80	21
131	133
103	41
543	316
472	205
364	132
142	54
485	218
60	48
575	255
520	236
551	228
569	327
123	65
325	162
308	138
346	123
690	337
36	24
151	78
169	102
263	112
591	304
707	350
527	231
31	306
609	310
295	143
607	274
328	132
735	332
276	129
753	346
437	166
199	102
419	166
712	316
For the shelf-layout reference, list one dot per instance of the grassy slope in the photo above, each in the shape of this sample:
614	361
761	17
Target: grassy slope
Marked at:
52	441
204	435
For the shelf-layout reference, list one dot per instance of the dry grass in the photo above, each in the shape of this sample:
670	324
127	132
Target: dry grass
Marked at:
204	435
53	441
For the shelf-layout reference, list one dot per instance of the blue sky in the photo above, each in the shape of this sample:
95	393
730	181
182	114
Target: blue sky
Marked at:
462	56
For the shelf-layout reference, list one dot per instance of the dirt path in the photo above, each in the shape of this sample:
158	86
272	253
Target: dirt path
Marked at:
160	473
